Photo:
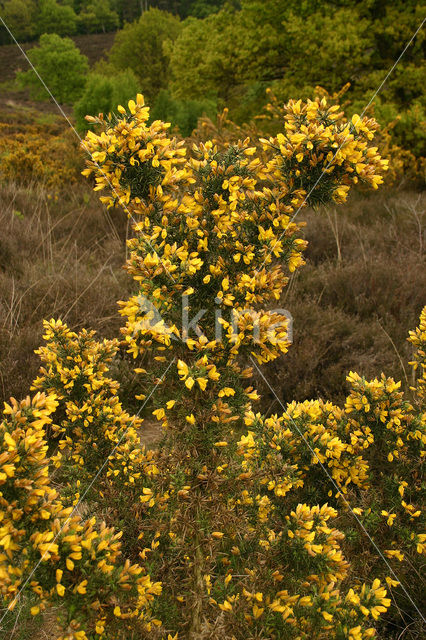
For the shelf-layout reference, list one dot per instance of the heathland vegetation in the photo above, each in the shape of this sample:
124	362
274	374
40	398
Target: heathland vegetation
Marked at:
221	481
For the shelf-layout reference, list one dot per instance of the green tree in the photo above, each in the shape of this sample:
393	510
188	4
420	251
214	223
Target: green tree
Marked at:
329	50
239	48
199	8
19	16
183	114
204	58
55	18
102	95
140	47
62	67
98	16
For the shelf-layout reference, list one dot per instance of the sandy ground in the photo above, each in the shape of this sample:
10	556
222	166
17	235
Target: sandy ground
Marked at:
150	432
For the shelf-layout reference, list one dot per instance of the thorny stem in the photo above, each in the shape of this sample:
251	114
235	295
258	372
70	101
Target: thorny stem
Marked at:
195	625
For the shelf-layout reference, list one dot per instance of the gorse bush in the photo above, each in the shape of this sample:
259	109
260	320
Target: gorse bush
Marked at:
93	422
77	561
248	522
31	153
228	242
404	165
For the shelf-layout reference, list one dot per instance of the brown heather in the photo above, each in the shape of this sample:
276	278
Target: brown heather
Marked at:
61	256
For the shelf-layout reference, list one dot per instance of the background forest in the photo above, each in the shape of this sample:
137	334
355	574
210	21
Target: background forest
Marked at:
247	47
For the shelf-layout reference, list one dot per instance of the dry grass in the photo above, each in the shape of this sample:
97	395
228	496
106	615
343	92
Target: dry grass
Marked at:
354	302
60	256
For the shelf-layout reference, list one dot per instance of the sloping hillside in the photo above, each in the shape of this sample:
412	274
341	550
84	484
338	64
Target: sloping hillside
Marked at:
93	46
13	101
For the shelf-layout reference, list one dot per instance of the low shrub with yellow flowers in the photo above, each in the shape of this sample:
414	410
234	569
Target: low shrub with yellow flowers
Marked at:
418	340
404	166
33	152
91	426
49	555
215	239
366	459
93	441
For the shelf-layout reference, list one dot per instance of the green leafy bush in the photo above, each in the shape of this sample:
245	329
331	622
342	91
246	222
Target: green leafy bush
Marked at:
62	67
182	113
103	93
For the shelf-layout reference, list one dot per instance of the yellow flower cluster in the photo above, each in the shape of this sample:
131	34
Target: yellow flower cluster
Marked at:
217	225
311	603
372	452
79	560
418	340
311	435
93	426
323	153
136	162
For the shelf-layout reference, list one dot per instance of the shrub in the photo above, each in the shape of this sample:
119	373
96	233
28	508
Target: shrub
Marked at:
400	138
62	67
55	18
93	426
253	524
77	561
31	152
239	559
103	93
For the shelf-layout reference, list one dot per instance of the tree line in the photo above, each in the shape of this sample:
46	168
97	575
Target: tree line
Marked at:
29	19
209	55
